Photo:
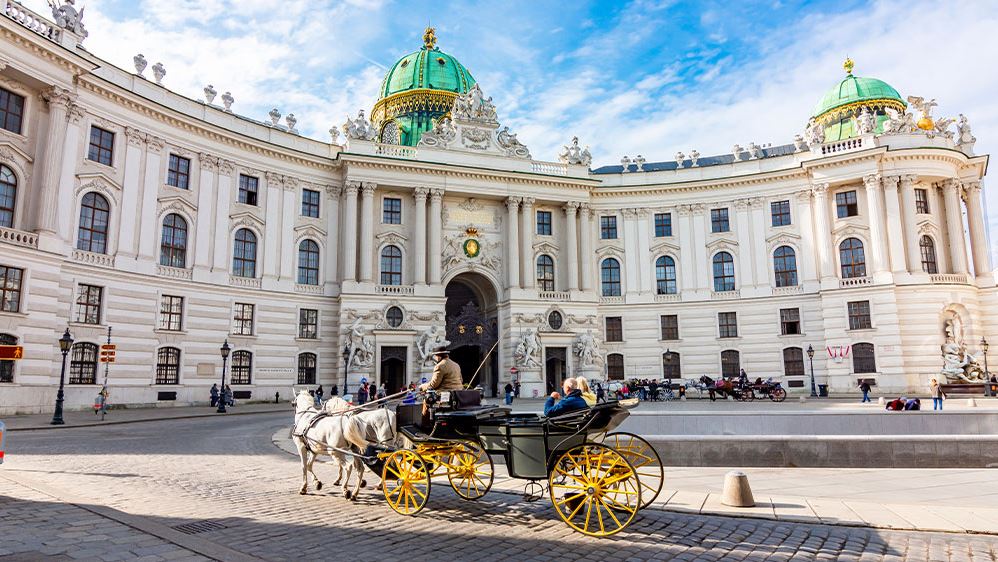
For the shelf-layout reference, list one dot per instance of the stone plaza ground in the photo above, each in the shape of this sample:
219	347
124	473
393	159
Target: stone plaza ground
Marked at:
218	488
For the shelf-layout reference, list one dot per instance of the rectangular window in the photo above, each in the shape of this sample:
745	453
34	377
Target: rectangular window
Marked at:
544	223
663	224
101	146
308	324
249	188
781	212
392	211
242	320
727	324
614	328
793	362
859	315
669	325
171	313
10	288
845	204
178	172
11	111
922	201
719	220
310	203
789	321
88	304
608	228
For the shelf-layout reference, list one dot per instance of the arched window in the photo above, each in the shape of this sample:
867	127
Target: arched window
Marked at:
545	273
173	246
83	363
244	254
928	249
852	258
671	366
7	366
724	272
610	277
306	368
793	362
242	367
730	363
391	265
94	214
168	365
785	266
8	196
863	359
615	367
308	263
665	275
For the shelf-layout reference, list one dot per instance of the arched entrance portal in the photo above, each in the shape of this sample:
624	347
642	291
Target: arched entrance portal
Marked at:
473	328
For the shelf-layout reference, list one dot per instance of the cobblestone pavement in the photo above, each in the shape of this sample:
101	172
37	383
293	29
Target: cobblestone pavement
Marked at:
219	482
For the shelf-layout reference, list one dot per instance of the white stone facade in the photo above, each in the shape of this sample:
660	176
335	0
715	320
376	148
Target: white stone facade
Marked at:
465	186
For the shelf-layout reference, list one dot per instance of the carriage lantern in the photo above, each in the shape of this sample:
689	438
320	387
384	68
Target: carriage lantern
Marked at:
810	359
65	344
224	350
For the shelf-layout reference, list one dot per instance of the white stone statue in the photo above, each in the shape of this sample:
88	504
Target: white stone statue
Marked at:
209	93
275	116
680	157
227	101
334	132
359	128
736	151
755	152
428	341
441	135
814	134
940	127
899	123
959	366
626	163
573	154
360	350
587	349
509	142
865	122
799	143
964	138
67	17
528	350
639	163
291	120
474	106
924	108
159	72
694	158
140	63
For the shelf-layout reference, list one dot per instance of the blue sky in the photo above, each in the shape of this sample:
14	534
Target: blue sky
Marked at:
640	77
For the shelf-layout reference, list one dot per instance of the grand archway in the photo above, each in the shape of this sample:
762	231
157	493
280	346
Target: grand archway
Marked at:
473	328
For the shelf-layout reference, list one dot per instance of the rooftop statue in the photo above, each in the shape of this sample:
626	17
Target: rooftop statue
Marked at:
514	147
572	154
964	138
865	123
899	123
441	135
474	106
359	128
814	134
925	109
67	17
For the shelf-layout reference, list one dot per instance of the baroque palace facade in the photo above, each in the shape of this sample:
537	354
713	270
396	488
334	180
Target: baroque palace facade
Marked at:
180	224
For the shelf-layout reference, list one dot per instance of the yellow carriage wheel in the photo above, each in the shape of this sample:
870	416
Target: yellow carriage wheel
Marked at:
646	462
405	482
595	490
470	470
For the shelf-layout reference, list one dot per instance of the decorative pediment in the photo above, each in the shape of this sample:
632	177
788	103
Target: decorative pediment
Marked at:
391	237
97	181
664	246
309	231
545	247
11	153
246	218
473	127
176	203
723	243
610	250
850	229
926	227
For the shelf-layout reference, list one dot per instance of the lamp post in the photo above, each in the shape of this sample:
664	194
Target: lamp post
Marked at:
810	359
987	377
225	349
65	344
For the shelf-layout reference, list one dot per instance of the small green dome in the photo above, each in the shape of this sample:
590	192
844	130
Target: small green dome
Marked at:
840	106
854	89
426	69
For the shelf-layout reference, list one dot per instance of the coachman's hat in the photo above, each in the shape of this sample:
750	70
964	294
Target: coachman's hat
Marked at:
441	351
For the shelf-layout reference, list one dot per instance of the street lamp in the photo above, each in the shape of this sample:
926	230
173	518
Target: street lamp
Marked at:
225	349
65	344
987	378
810	359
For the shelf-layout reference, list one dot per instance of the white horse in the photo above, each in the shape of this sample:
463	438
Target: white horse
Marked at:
379	423
330	435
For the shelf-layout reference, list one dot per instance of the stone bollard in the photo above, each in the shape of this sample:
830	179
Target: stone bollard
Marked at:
803	399
881	401
737	492
971	403
731	398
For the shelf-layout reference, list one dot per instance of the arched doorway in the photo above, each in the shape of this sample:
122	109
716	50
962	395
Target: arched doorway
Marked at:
555	368
393	360
473	328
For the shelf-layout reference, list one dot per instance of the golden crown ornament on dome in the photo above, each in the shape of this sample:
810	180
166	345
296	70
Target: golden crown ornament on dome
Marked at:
430	38
848	65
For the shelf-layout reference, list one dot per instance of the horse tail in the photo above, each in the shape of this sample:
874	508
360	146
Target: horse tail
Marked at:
355	432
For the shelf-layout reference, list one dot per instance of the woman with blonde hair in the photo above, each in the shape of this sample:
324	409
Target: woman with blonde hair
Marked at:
587	393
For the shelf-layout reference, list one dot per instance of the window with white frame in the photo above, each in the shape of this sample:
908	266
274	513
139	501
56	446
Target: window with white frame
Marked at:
242	319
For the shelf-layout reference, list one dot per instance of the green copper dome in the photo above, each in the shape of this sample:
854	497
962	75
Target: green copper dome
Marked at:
847	99
418	89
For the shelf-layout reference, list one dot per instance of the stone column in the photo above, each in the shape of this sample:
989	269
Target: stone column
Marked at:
512	242
349	233
687	254
702	265
826	265
272	235
528	273
367	232
805	220
419	237
436	235
571	246
954	226
208	170
975	222
290	209
895	243
910	225
59	101
878	238
586	247
332	211
743	254
937	206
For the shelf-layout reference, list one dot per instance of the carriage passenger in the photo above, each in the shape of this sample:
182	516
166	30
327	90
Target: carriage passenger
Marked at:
587	393
572	401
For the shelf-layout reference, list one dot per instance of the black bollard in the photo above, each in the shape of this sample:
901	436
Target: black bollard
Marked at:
277	398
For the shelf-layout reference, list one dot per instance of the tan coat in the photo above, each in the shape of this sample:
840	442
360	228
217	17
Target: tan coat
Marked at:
446	376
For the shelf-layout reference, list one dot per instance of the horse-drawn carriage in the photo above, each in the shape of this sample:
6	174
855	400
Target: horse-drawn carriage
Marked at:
597	479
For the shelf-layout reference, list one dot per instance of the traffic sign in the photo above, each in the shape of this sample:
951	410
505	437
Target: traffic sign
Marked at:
107	355
513	370
108	347
11	352
107	359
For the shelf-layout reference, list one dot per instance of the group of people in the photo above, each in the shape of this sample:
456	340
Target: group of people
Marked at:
511	391
369	391
225	396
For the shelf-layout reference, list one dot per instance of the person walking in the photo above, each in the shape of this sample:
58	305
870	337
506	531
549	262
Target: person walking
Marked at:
227	396
508	389
865	387
214	395
362	394
382	391
334	390
937	395
516	389
318	396
600	393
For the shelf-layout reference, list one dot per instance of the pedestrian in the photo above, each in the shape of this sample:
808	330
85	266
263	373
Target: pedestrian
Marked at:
938	395
865	387
214	395
516	389
318	396
334	390
362	394
508	389
227	396
382	391
742	378
600	392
